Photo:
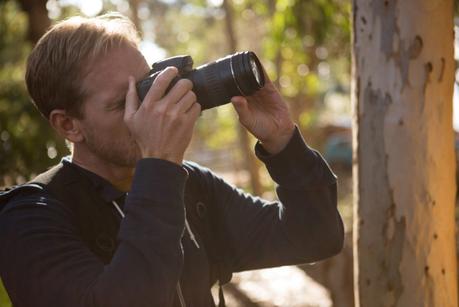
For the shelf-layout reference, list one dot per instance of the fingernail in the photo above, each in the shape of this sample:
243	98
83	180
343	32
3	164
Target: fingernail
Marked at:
173	68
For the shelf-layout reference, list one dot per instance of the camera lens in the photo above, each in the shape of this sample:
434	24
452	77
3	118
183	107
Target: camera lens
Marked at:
256	71
239	74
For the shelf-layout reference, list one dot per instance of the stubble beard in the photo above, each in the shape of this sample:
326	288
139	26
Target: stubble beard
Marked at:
118	152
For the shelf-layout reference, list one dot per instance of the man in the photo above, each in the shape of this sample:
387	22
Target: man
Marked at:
125	221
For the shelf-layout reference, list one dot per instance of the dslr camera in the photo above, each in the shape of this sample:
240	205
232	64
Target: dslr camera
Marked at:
239	74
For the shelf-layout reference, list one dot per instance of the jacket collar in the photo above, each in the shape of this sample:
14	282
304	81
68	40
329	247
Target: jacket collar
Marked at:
104	188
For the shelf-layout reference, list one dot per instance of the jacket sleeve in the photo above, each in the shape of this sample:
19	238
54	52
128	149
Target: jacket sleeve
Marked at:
43	261
304	226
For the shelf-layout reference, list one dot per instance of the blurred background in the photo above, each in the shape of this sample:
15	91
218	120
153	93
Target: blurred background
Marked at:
305	48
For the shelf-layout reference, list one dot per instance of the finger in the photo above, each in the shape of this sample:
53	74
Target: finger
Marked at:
132	100
160	85
180	89
184	104
265	75
242	107
194	111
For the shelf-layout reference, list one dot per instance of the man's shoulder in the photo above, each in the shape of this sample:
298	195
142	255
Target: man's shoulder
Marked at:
25	195
26	205
35	193
21	190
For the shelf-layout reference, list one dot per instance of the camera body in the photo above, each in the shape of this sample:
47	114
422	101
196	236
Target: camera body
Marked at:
239	74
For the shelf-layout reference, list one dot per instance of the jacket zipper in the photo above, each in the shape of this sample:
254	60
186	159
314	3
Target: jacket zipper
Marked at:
180	295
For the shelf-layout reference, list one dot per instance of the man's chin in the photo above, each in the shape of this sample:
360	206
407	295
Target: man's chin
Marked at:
126	163
118	160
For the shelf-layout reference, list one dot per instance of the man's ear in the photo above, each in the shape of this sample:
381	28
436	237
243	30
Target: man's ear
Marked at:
66	125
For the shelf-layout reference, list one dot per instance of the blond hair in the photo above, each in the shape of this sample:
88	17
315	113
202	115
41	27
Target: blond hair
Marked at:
61	58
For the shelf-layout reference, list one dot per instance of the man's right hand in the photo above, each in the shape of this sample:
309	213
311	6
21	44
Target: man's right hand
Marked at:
163	124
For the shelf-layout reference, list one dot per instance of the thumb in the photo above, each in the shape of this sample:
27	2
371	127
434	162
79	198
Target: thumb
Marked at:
242	108
132	100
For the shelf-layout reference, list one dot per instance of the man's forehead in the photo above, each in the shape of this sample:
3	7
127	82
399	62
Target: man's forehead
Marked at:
111	70
121	60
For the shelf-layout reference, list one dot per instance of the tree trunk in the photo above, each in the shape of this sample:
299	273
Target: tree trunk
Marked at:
38	18
134	8
244	139
404	147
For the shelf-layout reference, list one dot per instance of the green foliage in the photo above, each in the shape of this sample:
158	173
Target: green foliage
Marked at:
196	28
26	141
306	34
218	127
304	46
4	299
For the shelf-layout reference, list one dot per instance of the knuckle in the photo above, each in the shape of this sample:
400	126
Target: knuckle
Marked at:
165	100
170	114
177	118
160	110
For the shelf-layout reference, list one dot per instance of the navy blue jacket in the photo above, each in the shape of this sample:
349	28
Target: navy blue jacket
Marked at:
44	261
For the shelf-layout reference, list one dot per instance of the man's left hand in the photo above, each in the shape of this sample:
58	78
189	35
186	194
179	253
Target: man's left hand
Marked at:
265	114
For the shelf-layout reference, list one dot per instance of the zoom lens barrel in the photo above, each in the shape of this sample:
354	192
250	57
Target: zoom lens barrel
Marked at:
239	74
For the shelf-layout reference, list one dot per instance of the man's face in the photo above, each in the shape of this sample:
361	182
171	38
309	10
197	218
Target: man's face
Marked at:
106	84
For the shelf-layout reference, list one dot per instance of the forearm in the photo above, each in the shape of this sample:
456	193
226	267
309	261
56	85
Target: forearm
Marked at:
304	226
307	191
311	222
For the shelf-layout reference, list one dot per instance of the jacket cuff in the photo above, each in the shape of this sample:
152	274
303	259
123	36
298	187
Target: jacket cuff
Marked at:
297	165
159	180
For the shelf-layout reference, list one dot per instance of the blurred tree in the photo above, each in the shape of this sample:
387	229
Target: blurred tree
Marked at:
299	40
297	43
309	46
244	137
304	46
134	8
405	184
37	15
27	144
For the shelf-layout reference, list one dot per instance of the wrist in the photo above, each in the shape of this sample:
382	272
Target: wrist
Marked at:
277	143
163	156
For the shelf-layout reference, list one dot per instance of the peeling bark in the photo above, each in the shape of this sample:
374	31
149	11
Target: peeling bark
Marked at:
404	162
